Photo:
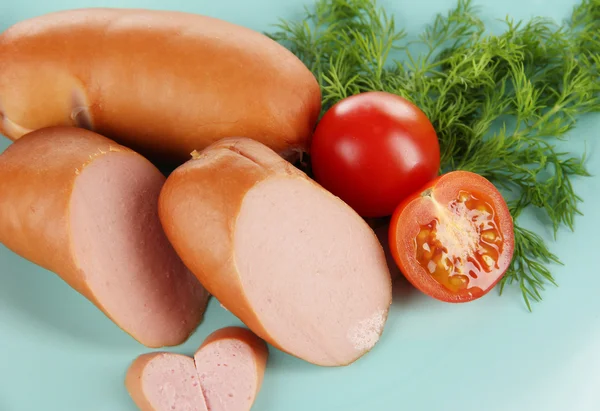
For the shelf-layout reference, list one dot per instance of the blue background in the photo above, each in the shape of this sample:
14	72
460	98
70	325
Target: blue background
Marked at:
57	352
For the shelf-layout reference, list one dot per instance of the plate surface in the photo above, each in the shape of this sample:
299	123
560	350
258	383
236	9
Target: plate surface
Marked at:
57	352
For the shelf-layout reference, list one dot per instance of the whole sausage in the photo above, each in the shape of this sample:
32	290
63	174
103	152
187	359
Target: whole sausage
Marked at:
295	263
84	207
163	83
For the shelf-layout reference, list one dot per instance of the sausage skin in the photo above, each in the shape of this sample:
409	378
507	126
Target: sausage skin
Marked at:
163	83
296	264
82	206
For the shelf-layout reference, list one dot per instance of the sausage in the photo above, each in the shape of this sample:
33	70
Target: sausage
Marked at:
225	374
162	83
162	381
231	365
295	263
86	208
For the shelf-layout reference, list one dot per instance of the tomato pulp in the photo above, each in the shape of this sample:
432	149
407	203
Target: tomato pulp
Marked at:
373	150
454	239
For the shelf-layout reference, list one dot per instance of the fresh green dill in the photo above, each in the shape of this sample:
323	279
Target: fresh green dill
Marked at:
497	101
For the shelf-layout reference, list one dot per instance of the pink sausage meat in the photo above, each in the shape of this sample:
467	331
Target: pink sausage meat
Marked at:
303	260
230	365
86	208
120	245
165	382
225	375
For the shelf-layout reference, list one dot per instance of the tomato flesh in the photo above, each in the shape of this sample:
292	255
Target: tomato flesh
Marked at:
454	240
461	246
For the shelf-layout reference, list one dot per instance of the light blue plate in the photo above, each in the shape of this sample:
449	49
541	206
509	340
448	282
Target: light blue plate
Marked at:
57	352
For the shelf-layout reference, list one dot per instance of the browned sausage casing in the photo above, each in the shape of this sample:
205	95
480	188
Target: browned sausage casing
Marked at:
162	83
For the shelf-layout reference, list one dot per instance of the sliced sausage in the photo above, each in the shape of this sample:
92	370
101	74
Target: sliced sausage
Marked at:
165	382
231	365
84	207
296	264
162	83
225	374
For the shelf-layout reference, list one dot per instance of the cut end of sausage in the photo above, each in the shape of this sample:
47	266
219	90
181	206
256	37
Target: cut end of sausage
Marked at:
165	382
123	254
296	264
313	271
230	367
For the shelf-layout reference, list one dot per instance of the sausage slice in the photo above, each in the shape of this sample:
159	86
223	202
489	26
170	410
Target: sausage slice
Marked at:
226	374
296	264
84	207
231	365
165	382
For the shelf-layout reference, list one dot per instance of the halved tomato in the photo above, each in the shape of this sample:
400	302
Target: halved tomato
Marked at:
454	239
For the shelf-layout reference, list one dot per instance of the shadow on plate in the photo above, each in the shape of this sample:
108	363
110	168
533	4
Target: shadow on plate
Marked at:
381	227
402	290
49	303
282	361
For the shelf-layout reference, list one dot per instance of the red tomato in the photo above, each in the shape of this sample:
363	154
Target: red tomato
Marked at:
373	150
454	239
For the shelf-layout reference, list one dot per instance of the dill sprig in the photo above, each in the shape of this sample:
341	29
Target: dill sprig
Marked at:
497	101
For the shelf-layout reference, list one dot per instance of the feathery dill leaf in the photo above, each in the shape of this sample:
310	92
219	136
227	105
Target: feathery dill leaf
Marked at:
497	101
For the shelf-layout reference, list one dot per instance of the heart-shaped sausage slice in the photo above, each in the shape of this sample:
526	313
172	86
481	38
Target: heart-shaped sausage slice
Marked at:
226	376
231	364
165	382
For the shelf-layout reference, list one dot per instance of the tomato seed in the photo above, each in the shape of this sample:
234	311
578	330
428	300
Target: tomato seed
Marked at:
423	234
459	281
431	266
489	261
484	208
489	235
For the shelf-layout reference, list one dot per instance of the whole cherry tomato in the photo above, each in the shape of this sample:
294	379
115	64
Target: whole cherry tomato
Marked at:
373	150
